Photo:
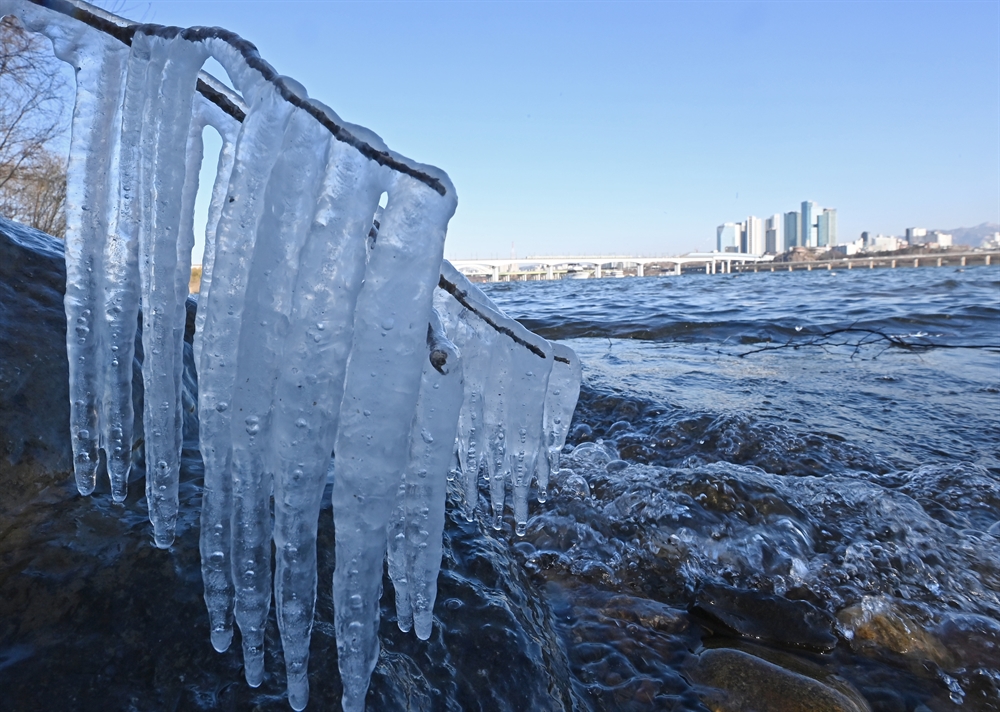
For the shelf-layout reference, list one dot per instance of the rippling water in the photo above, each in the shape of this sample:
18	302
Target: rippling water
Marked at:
746	442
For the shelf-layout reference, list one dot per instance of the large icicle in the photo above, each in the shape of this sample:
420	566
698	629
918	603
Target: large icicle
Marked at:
171	73
309	391
380	395
417	525
256	151
90	200
290	200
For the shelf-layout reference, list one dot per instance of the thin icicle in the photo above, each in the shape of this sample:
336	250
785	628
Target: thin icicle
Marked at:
383	379
529	377
476	341
560	402
208	113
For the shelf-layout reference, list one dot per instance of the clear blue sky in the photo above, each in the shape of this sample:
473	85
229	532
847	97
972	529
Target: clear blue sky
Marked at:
638	127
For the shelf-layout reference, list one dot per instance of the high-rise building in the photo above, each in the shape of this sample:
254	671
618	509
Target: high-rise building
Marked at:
753	236
774	235
807	229
792	230
728	237
916	235
826	228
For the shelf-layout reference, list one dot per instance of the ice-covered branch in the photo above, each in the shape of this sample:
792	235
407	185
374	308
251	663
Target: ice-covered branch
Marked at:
327	323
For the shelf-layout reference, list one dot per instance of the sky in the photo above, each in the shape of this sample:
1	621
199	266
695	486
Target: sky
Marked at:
639	127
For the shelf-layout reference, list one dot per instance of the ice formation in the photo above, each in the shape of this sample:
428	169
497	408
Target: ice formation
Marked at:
326	324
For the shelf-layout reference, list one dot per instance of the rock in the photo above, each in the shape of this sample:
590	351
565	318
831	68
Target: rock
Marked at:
879	624
741	682
767	618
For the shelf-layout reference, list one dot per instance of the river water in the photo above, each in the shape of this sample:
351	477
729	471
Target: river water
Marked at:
746	441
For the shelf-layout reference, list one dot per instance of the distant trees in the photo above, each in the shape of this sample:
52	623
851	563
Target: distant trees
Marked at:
32	122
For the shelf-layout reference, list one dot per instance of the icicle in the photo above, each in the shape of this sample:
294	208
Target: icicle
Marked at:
529	377
519	370
380	395
171	76
289	204
309	391
560	402
415	539
90	187
476	340
228	128
257	148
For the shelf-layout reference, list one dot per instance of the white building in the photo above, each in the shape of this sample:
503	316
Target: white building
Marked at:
753	236
916	235
885	243
938	239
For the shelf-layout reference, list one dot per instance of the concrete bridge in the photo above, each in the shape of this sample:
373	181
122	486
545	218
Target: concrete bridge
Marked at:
559	266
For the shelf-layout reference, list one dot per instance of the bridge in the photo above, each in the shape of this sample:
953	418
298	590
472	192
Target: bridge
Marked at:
575	266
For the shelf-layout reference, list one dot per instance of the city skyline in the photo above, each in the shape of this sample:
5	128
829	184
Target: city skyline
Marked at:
811	226
572	127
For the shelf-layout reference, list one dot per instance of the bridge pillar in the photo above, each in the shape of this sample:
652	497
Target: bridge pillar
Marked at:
708	268
677	268
987	260
963	260
549	273
639	271
496	274
597	271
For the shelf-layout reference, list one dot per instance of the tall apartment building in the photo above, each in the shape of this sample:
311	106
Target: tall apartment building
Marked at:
807	229
753	236
774	235
728	237
792	230
826	228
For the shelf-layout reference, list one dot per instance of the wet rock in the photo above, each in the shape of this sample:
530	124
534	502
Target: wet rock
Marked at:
767	618
739	682
879	623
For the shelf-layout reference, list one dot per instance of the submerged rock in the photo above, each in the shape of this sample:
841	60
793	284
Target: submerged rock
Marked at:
739	682
879	623
767	618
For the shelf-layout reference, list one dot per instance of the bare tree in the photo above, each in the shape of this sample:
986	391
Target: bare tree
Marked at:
32	121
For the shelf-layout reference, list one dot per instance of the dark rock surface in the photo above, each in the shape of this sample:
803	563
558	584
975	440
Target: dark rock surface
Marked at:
767	618
94	617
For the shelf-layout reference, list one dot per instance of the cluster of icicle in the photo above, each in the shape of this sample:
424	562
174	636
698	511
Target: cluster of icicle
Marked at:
326	324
